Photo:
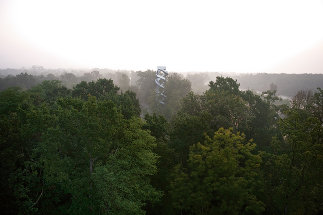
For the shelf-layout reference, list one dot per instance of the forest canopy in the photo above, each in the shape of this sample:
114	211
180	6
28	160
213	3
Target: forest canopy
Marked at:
103	144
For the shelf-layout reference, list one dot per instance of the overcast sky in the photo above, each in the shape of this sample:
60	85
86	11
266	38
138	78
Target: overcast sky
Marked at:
201	35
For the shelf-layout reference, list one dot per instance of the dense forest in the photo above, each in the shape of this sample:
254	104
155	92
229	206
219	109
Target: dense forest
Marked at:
102	144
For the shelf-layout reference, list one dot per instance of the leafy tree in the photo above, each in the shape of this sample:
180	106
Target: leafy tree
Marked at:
49	91
104	89
293	171
157	125
11	144
59	153
186	131
220	106
223	105
128	104
262	125
101	89
302	99
21	125
22	80
225	84
159	128
227	109
222	177
123	183
86	151
90	161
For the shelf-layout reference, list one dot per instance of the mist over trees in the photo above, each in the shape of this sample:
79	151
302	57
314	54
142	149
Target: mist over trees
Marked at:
286	85
99	142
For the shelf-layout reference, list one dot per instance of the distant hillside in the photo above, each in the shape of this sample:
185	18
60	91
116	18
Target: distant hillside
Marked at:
287	84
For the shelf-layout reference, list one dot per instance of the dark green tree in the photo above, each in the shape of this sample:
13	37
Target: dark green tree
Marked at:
293	171
159	128
21	126
90	161
104	89
222	177
223	105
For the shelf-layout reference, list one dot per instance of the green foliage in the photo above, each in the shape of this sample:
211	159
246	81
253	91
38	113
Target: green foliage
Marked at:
22	80
293	171
49	91
21	125
104	89
83	155
225	84
222	177
159	128
262	125
96	161
157	125
101	89
129	104
223	105
122	182
86	151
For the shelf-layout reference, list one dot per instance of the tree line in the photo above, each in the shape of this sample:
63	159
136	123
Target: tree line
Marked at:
93	148
286	85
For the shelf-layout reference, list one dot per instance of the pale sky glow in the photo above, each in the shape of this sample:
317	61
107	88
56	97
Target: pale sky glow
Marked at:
228	36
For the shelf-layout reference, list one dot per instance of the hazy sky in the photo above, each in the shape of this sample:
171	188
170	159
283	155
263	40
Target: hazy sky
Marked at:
201	35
